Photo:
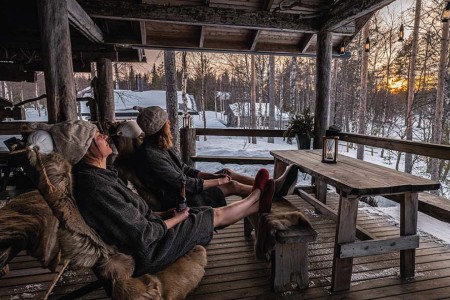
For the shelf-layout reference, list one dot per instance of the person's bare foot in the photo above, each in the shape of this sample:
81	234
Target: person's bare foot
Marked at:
285	184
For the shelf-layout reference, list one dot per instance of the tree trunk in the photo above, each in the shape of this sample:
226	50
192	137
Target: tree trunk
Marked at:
57	58
171	94
363	94
411	85
116	76
323	83
439	111
105	92
271	96
184	80
293	83
253	97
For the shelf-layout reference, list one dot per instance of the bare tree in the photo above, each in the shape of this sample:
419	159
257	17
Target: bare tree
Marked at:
271	96
253	97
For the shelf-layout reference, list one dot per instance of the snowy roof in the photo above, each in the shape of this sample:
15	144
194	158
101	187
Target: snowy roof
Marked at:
243	109
222	96
124	100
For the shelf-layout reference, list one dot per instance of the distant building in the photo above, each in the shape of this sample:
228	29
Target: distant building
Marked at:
125	100
238	115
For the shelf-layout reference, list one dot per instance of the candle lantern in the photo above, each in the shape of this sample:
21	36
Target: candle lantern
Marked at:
330	149
401	33
187	120
367	45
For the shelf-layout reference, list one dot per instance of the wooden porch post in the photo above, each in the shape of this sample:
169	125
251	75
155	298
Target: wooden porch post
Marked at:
57	57
105	91
323	86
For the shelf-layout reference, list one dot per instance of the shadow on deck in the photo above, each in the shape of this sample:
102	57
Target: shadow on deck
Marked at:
234	273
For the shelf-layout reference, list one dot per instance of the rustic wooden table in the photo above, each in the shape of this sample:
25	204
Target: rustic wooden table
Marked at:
354	179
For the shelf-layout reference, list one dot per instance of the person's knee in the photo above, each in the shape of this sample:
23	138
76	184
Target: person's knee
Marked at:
218	216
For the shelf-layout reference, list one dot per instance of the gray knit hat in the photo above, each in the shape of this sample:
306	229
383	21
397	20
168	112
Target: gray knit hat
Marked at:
151	119
72	138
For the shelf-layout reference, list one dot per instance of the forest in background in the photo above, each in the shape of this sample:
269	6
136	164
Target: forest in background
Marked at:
290	81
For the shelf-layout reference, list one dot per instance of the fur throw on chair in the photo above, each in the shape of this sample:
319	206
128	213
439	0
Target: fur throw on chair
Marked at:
27	223
84	247
266	226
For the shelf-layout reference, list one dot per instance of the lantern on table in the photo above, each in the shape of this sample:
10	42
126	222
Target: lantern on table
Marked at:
330	149
187	120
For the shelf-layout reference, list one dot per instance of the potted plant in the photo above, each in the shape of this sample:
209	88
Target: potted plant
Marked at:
300	126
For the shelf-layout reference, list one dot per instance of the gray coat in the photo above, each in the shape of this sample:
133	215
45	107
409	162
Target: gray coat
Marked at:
122	218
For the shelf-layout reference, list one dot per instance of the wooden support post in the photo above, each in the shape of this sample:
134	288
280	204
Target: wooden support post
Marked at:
188	143
105	91
278	168
57	57
323	86
408	226
345	233
321	192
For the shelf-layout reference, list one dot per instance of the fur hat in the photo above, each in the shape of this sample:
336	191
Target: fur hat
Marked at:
42	140
129	129
72	138
151	119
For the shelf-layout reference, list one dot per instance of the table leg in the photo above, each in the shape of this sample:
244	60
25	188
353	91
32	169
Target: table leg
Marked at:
408	226
321	191
279	168
345	233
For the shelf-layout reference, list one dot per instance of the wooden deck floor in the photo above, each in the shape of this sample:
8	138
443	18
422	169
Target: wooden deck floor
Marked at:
233	272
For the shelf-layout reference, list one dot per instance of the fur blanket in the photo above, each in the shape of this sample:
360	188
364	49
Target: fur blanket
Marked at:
83	246
281	217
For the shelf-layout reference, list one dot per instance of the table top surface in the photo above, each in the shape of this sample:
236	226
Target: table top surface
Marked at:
353	176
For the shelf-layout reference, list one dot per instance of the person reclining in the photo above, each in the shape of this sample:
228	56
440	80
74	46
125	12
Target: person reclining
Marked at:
122	218
162	171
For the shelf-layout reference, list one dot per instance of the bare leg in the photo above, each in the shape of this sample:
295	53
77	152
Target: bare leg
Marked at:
247	180
235	188
236	211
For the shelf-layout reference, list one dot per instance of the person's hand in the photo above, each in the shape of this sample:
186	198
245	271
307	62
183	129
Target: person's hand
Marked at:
224	179
180	216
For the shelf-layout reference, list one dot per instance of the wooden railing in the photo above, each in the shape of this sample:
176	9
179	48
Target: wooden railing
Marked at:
188	145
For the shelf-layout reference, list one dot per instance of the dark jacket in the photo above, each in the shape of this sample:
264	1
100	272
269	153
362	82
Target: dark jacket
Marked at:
122	218
162	171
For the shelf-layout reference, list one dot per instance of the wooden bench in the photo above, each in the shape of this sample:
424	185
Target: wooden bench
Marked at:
432	205
289	258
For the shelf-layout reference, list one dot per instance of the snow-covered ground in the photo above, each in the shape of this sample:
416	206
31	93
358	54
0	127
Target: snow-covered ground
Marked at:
240	146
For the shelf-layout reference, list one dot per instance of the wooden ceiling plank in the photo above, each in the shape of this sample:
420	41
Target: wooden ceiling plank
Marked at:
306	42
255	38
202	37
268	5
79	19
346	11
198	15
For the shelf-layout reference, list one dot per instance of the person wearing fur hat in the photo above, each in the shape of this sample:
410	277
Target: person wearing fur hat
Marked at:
163	172
122	218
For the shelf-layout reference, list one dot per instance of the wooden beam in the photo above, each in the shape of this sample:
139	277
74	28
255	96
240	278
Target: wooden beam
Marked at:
143	32
199	16
267	6
426	149
57	54
202	37
323	87
240	132
378	246
234	160
346	11
16	72
79	19
255	38
306	42
105	91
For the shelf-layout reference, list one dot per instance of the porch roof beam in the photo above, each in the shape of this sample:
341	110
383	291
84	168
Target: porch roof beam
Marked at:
346	11
79	19
204	16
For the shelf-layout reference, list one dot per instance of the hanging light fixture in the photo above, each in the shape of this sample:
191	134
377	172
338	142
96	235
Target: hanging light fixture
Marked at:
401	33
446	13
367	45
342	50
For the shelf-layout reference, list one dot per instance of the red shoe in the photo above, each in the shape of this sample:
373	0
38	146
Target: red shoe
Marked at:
265	200
261	179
